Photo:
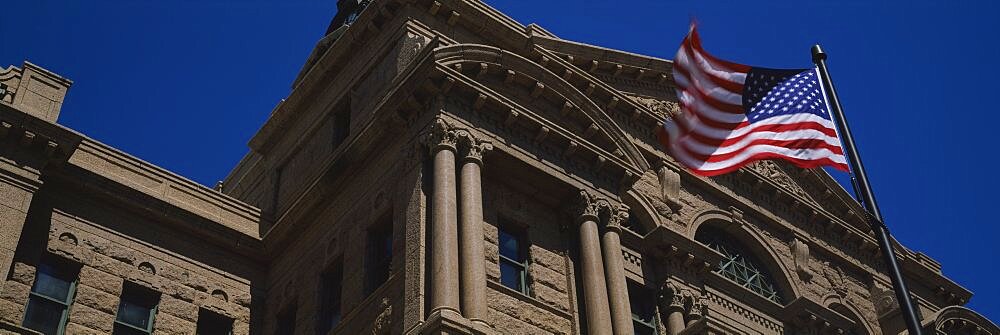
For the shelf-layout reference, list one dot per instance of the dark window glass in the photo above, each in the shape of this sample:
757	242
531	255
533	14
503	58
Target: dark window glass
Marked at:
341	122
643	309
210	323
379	254
513	258
739	265
50	297
136	310
286	321
332	281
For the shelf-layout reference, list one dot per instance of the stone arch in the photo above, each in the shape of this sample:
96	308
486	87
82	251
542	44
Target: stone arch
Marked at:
754	242
961	320
644	211
460	53
861	327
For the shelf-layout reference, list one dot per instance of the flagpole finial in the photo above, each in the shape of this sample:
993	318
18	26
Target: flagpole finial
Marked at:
818	54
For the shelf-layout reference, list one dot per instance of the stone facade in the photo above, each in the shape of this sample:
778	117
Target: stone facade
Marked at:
439	168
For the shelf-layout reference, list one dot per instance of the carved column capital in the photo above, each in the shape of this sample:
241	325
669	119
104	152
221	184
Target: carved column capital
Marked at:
589	206
619	217
441	136
473	149
698	306
672	296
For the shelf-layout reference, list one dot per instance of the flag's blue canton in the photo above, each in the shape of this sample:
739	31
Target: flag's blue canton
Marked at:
768	93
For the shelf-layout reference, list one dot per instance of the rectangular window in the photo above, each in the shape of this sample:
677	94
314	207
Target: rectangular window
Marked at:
136	310
286	321
50	297
513	258
643	306
330	292
379	261
210	323
341	122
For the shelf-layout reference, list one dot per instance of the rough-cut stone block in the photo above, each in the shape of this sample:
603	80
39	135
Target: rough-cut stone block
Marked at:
91	318
541	275
178	308
167	324
97	299
11	311
74	328
100	280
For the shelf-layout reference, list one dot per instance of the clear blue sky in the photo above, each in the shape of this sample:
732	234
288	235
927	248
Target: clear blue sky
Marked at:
184	84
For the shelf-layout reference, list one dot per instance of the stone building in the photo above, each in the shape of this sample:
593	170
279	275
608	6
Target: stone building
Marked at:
439	168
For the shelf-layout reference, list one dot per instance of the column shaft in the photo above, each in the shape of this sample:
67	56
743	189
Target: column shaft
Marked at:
473	278
444	234
675	321
614	267
595	290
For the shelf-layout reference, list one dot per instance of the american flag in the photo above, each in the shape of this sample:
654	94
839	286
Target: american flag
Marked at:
733	114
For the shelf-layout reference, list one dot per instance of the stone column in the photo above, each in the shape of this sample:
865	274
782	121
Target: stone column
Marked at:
614	267
473	274
673	305
444	225
595	291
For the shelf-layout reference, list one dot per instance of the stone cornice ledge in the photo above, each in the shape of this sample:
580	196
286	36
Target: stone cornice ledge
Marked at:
159	183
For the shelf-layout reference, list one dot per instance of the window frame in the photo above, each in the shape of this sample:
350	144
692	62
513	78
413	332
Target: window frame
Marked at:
379	239
216	317
331	297
761	282
138	291
286	317
68	269
520	235
642	291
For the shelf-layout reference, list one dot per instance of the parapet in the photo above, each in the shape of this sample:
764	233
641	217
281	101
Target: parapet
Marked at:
33	90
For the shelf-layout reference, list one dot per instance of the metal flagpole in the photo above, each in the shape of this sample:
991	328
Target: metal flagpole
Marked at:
863	191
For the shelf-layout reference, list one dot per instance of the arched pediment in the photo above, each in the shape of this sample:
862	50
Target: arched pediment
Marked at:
622	147
753	241
960	320
643	209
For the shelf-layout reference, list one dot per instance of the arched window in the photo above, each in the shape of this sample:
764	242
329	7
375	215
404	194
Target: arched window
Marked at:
739	264
859	327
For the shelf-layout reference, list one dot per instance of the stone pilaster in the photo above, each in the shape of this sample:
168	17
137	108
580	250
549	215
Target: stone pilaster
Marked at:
614	267
471	255
595	290
444	269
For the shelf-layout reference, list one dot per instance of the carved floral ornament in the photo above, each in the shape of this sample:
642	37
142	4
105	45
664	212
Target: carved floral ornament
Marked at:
676	298
445	136
590	207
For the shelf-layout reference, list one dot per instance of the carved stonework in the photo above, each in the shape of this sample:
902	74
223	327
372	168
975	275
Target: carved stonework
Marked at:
800	255
884	299
383	320
661	108
590	206
672	296
618	217
699	306
770	170
441	136
474	150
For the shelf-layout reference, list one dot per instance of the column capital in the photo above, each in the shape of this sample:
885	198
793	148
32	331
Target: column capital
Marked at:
618	217
441	136
474	149
589	206
698	306
672	296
